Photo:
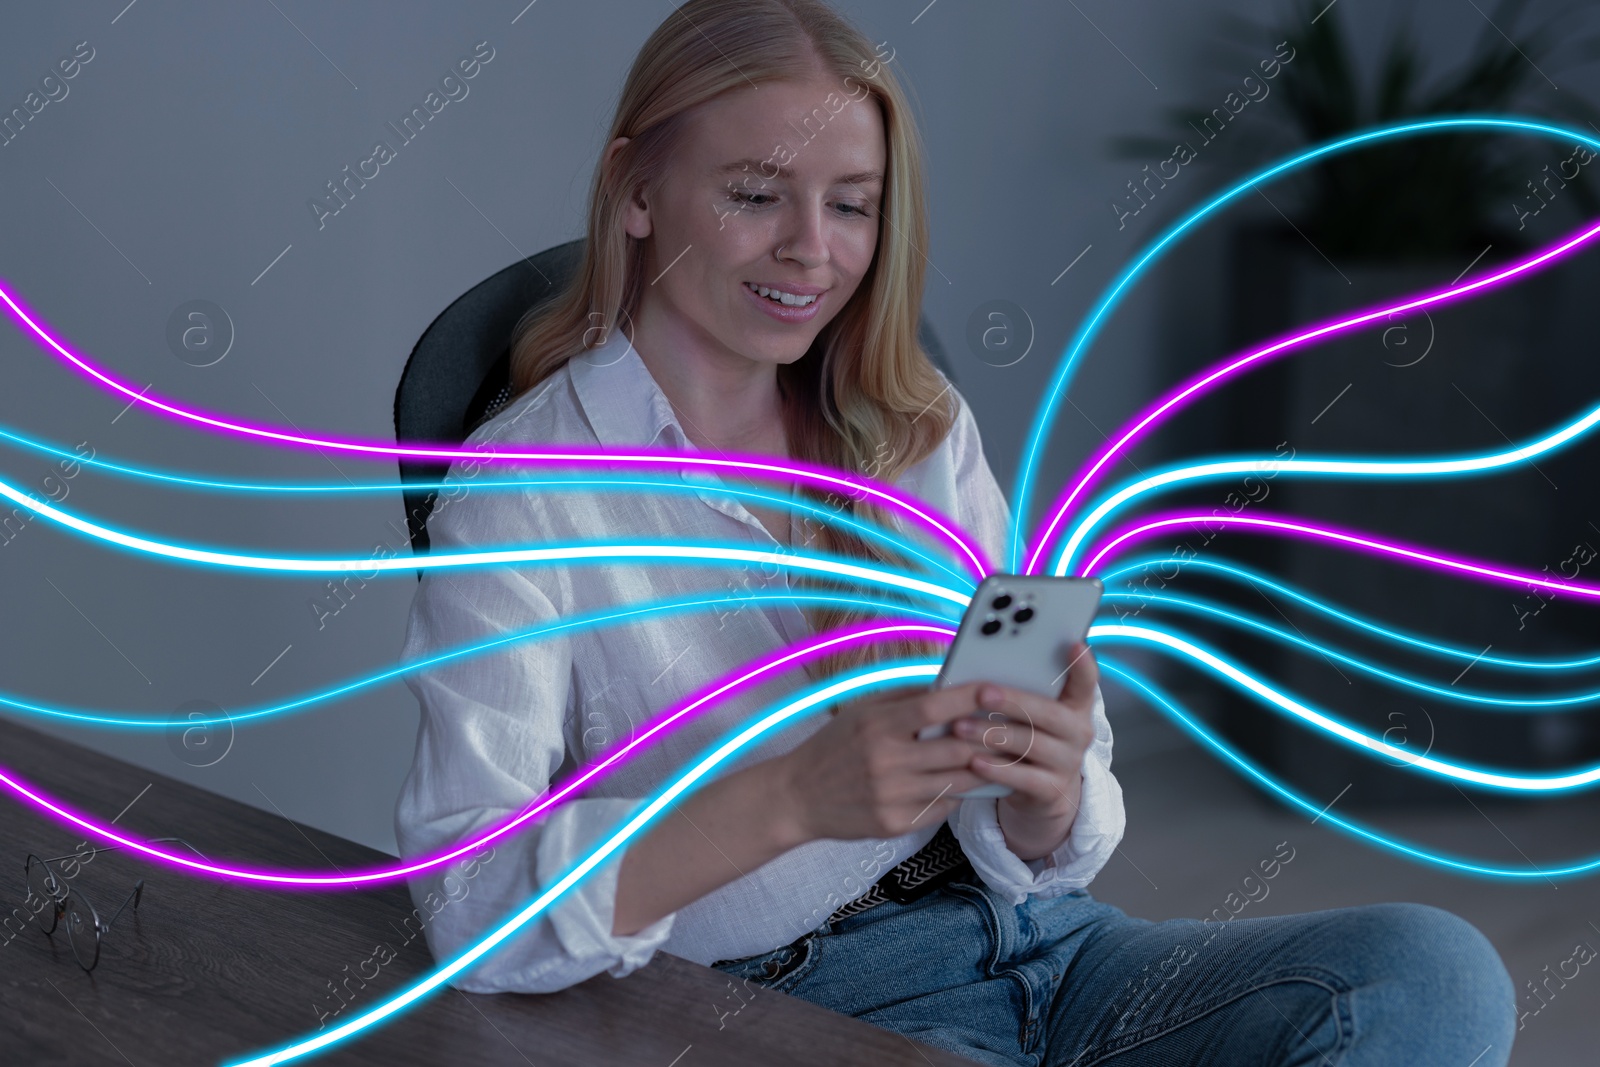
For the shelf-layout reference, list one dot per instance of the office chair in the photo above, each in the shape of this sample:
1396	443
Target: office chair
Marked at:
459	373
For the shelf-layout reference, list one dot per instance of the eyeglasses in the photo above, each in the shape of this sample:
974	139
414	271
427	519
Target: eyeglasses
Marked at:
84	928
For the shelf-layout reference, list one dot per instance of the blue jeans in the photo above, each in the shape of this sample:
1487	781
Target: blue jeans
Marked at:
1071	981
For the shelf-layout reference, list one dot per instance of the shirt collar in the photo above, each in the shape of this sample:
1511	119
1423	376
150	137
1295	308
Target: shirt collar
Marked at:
625	406
620	397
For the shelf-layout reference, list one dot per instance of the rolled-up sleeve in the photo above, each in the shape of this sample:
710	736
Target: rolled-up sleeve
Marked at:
493	733
1095	834
1101	820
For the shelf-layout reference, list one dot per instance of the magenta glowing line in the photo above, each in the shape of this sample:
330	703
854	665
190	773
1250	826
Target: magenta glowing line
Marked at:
729	686
1354	539
929	518
1162	409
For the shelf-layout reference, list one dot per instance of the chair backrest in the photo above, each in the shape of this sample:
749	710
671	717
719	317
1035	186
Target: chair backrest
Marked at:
459	373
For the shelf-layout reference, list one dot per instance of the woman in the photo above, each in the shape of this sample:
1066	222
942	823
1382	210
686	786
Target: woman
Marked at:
751	285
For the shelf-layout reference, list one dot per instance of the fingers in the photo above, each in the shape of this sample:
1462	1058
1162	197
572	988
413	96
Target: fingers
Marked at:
1027	778
1083	675
939	754
1008	740
939	790
1068	723
934	706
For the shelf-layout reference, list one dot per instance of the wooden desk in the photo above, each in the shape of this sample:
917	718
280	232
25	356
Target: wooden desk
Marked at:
206	972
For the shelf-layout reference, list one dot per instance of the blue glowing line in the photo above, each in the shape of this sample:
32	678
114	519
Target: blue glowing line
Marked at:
587	552
1046	414
1487	779
1256	577
639	483
880	676
817	697
1465	696
577	622
1213	470
1321	811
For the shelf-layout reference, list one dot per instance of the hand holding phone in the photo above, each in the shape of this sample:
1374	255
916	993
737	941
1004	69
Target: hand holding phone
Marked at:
1018	631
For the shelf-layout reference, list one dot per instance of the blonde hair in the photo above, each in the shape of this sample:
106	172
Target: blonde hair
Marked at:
864	399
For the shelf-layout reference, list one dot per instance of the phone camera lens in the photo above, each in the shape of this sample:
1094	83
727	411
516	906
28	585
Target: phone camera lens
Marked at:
1022	615
991	627
1002	602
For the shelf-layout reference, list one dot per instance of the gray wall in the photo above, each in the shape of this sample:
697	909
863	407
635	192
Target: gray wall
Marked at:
179	165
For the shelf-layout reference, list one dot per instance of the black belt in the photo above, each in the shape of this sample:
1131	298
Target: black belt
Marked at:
936	863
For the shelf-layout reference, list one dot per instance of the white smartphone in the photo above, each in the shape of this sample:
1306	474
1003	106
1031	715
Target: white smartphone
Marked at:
1018	631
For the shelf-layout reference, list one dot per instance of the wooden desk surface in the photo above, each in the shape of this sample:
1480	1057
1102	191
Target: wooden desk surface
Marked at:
206	972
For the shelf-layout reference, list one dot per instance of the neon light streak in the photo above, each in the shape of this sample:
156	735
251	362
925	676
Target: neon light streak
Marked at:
1256	577
886	676
591	551
1360	468
1450	692
1309	532
579	623
784	658
752	465
1045	417
1322	813
1445	769
643	484
816	698
765	467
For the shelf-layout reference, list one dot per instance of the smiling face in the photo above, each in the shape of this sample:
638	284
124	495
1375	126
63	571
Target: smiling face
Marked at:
749	201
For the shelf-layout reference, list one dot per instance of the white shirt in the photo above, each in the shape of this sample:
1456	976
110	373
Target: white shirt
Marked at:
496	728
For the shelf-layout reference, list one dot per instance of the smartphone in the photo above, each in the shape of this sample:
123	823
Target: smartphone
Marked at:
1018	631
